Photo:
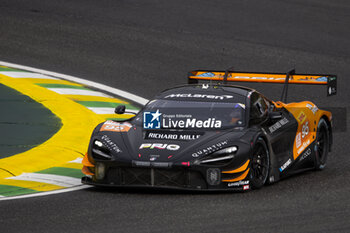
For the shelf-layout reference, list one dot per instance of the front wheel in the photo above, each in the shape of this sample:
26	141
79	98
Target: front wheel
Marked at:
260	164
322	145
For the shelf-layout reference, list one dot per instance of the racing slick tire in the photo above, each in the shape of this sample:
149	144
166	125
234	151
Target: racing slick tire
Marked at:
322	145
260	164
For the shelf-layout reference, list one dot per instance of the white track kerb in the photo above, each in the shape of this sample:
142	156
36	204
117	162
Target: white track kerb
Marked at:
100	86
70	183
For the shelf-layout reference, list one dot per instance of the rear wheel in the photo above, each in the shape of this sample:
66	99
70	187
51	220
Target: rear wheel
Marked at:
322	145
260	164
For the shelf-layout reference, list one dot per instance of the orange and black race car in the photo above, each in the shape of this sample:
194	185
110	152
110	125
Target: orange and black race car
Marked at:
213	136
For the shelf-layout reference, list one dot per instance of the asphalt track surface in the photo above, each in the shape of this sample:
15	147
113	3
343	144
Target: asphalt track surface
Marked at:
146	46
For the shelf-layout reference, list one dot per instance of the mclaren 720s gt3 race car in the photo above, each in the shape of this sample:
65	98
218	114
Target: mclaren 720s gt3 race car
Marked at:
209	135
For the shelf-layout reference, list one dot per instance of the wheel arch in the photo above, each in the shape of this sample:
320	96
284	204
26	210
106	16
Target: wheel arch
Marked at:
273	175
263	137
259	138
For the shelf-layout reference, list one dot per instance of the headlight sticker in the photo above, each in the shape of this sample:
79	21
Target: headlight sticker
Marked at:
116	126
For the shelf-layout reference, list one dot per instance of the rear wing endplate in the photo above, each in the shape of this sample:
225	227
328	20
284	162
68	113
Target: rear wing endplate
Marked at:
285	78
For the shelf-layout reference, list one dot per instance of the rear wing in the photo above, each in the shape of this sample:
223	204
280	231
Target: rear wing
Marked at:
285	78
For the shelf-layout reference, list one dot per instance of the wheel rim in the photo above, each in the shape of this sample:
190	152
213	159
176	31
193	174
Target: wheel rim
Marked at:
260	164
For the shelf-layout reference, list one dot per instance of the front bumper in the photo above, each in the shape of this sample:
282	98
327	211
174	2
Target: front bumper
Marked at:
173	178
149	177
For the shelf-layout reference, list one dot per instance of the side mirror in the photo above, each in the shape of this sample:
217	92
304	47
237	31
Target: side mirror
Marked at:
120	109
275	115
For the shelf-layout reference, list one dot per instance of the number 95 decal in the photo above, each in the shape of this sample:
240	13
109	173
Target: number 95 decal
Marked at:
305	129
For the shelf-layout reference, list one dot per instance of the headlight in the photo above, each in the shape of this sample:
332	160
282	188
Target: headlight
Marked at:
222	155
98	143
100	151
228	150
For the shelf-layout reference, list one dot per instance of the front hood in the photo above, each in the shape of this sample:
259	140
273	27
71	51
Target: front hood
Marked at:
138	144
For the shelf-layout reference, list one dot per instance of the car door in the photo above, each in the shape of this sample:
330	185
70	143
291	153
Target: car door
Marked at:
280	131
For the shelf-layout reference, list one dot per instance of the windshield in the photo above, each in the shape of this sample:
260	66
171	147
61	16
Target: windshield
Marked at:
169	114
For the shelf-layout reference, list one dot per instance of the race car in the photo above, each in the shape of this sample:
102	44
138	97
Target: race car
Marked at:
210	135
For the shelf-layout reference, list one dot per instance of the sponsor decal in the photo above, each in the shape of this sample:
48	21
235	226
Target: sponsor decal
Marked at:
116	126
159	146
161	164
305	154
205	86
142	163
151	164
151	120
255	78
200	96
332	78
313	108
305	129
191	123
322	79
177	115
157	120
239	183
332	90
153	157
307	78
298	140
285	165
165	135
301	118
246	187
209	149
278	125
305	144
110	144
207	74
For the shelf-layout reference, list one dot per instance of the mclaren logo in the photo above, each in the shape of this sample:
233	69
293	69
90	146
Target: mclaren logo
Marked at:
203	96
